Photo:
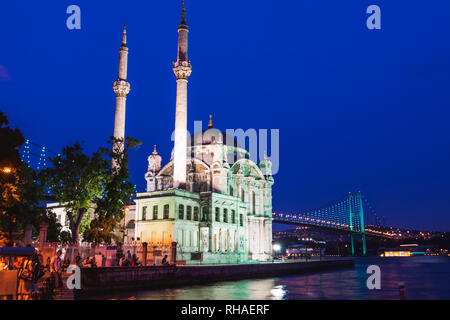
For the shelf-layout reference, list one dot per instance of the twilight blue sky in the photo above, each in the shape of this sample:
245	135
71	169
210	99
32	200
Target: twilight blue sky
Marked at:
357	109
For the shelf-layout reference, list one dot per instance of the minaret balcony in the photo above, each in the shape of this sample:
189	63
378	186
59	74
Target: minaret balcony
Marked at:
182	69
121	87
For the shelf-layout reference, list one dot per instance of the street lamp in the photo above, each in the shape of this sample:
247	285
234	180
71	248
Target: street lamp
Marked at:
7	170
276	249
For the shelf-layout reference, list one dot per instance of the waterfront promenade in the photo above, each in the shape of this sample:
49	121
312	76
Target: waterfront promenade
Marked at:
111	278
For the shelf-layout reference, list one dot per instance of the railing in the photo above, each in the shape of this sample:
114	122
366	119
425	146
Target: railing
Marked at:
109	255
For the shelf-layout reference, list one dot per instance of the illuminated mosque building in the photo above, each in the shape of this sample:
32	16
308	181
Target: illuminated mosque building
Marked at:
210	198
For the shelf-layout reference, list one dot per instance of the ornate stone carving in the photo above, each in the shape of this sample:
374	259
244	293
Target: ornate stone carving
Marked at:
121	88
154	162
182	69
205	239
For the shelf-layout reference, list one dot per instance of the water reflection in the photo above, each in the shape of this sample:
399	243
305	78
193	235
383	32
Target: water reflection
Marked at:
278	293
424	278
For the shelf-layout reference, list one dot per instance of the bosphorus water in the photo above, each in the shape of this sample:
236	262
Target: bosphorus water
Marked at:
424	277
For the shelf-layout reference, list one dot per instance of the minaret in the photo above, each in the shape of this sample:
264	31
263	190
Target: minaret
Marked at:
182	69
121	88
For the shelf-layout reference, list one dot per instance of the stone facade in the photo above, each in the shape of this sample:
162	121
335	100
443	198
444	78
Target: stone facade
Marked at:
225	213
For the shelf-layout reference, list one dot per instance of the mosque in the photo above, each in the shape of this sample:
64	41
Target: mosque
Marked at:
209	198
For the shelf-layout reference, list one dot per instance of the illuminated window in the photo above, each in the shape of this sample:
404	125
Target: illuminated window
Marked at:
155	212
166	211
195	213
188	213
205	214
180	211
253	202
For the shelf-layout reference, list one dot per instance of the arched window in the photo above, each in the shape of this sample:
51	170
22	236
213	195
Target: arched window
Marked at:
195	213
166	211
180	211
188	213
144	213
217	214
155	212
253	202
205	214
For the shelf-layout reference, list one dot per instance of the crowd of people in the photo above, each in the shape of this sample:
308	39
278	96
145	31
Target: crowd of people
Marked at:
128	260
29	270
32	268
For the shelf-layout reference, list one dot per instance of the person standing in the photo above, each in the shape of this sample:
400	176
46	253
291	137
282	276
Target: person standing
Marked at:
78	261
66	262
25	276
37	270
55	269
122	260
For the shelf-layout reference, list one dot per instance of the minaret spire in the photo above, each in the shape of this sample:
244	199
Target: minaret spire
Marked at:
121	88
124	35
183	15
182	69
210	124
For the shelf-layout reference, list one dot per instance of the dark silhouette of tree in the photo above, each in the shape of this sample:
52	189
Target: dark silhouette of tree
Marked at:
21	193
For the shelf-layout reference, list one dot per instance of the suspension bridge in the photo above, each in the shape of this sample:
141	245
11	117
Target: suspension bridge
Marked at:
345	215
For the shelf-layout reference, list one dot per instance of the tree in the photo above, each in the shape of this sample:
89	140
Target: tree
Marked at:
10	142
117	193
54	229
84	183
21	193
76	180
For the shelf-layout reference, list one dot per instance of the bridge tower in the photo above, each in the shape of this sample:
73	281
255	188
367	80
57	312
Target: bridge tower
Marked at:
356	215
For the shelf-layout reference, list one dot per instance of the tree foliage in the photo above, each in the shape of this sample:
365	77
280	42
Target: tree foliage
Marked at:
118	191
55	231
76	180
92	191
21	193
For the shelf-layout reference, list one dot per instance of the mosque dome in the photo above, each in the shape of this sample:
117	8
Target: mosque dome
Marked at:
213	136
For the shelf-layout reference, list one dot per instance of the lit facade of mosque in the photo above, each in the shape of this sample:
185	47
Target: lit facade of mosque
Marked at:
210	198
